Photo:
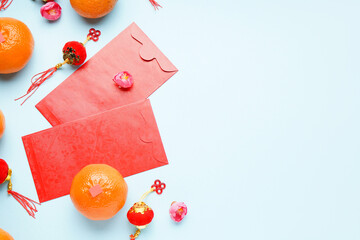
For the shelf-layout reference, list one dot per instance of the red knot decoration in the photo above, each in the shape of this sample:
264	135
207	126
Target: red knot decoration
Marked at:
159	186
94	34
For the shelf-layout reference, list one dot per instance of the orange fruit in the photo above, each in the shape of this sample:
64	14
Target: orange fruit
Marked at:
98	191
93	8
5	236
16	45
2	123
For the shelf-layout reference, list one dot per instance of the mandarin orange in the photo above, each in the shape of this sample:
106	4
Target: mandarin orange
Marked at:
93	8
2	124
98	191
5	236
16	45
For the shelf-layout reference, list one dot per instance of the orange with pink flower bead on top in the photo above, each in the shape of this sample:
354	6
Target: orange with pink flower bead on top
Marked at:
141	214
74	53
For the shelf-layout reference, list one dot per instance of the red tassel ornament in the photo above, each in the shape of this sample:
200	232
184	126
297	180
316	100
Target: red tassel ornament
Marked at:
4	4
155	4
141	214
26	203
74	53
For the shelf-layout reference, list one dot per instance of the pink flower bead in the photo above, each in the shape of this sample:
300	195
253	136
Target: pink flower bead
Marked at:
51	11
124	80
177	211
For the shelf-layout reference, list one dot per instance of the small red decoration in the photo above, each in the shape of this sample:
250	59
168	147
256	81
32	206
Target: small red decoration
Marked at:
74	53
155	4
4	4
94	34
26	203
159	186
4	170
141	214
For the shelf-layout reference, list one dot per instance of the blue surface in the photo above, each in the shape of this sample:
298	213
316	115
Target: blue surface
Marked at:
260	125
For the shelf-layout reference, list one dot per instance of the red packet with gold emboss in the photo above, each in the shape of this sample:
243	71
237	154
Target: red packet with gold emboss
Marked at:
126	138
91	90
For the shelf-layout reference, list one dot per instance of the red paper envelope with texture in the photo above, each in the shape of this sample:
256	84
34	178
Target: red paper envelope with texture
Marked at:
126	138
91	90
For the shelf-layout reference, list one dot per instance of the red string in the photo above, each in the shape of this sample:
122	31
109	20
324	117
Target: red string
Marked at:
155	4
4	4
26	203
36	81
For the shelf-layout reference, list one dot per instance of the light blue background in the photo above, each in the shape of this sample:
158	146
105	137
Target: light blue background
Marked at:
260	125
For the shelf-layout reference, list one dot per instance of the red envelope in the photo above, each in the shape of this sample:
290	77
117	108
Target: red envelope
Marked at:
126	138
91	90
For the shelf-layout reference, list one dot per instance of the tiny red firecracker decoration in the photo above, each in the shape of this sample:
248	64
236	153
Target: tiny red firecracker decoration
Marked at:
4	4
74	53
26	203
141	214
